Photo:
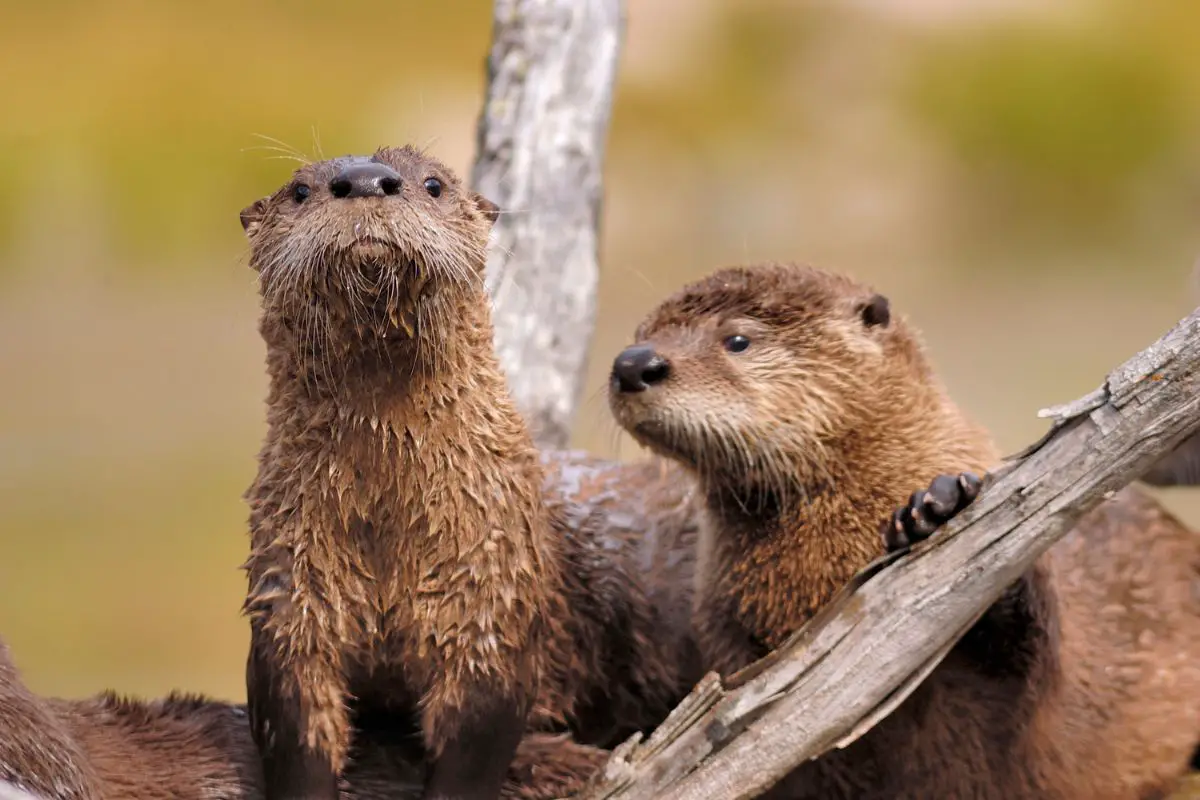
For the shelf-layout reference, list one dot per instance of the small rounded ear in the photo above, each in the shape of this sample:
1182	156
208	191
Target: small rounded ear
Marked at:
490	210
252	215
875	311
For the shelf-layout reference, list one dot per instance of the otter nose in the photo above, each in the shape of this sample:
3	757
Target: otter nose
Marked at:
637	368
369	179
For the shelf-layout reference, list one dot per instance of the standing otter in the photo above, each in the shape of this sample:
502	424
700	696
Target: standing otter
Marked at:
808	412
186	747
401	553
406	552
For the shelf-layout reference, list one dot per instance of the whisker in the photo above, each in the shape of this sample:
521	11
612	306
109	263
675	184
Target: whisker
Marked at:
284	147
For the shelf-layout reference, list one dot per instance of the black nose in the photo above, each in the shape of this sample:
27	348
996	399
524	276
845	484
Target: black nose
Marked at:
638	368
368	179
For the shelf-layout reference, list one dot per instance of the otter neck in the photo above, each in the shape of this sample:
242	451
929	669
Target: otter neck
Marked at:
367	362
795	545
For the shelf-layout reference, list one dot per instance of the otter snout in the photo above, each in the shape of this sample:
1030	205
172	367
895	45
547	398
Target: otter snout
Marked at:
639	367
365	179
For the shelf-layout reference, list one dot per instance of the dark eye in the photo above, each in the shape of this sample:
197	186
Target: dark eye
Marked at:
434	187
736	343
301	193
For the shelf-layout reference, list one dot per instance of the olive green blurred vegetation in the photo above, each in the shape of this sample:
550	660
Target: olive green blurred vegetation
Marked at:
1023	186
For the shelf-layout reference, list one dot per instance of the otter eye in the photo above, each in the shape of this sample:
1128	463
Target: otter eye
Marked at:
434	187
736	343
301	193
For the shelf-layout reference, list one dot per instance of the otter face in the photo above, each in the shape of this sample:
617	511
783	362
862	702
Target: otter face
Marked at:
753	371
368	235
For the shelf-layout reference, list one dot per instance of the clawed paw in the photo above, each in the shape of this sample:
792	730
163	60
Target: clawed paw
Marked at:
929	509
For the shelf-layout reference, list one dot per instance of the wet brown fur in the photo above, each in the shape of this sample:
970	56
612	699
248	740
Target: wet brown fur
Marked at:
401	554
404	552
1082	682
628	532
186	747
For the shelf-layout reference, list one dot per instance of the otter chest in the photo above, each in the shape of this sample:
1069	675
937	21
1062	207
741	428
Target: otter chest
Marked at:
404	522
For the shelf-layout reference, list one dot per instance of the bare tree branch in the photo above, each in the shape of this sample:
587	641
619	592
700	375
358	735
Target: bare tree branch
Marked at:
10	791
878	638
540	154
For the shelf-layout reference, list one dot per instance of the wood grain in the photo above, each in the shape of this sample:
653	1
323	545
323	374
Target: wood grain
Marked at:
541	144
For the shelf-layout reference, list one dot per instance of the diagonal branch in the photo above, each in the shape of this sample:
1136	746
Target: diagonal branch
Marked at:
10	791
541	142
881	635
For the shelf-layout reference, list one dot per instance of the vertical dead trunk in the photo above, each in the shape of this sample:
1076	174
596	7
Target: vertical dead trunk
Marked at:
540	156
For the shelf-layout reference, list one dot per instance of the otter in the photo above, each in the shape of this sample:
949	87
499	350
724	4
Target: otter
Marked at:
401	553
188	747
807	411
412	558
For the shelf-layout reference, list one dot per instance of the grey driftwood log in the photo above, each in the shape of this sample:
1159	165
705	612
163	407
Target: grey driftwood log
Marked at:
10	791
540	155
883	633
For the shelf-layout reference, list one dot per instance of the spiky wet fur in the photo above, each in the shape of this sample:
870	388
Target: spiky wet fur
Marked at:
1082	682
403	552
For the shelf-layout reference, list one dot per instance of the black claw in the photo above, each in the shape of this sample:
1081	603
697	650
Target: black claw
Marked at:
943	496
923	523
969	483
929	509
892	529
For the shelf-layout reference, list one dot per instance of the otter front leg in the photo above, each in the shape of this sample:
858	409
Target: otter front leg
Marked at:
929	509
298	720
1008	637
472	747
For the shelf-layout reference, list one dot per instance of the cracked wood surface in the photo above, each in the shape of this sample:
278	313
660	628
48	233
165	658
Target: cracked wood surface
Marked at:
540	155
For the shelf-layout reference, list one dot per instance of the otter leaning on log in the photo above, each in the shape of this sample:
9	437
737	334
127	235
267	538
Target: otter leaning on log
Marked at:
808	412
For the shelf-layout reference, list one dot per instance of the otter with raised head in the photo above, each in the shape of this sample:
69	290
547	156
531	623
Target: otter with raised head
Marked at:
186	747
808	412
410	551
401	553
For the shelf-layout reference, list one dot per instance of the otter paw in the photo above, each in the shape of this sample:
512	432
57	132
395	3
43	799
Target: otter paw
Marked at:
929	509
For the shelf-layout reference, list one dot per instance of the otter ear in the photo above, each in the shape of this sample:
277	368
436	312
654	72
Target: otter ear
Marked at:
490	211
875	312
252	215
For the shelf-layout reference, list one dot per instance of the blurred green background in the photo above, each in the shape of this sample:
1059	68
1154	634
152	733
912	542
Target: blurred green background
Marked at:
1021	178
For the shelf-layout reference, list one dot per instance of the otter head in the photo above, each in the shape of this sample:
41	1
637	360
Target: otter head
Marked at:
359	248
751	375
